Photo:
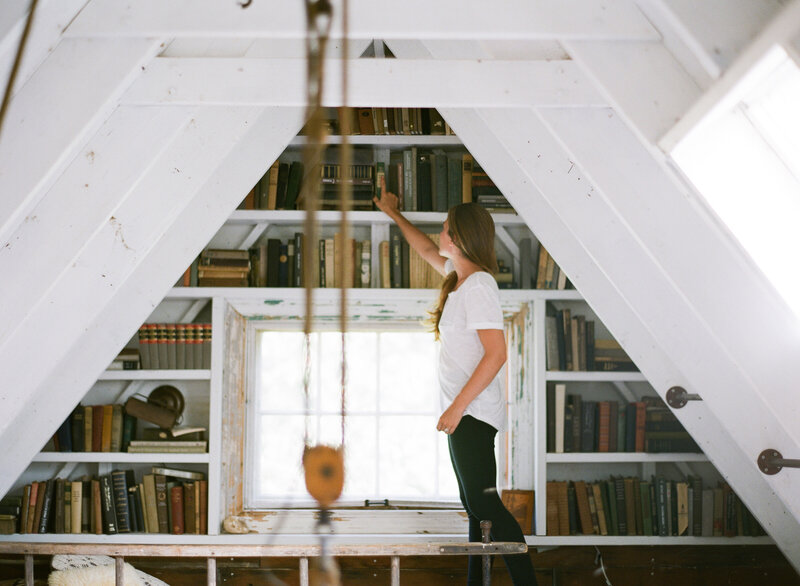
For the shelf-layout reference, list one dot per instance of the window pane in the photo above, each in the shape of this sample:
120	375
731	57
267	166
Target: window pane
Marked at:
408	379
362	373
448	484
361	457
279	457
407	468
280	376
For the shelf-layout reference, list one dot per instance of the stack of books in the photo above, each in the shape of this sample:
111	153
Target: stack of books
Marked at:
487	194
165	501
655	507
361	180
127	359
10	512
223	268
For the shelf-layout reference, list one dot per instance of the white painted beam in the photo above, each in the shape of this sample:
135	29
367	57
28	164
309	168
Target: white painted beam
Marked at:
715	31
60	106
128	267
50	19
99	179
369	19
377	82
782	30
643	81
600	237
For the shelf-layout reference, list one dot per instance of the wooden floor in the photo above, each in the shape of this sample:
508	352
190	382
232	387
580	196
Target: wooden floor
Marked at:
564	566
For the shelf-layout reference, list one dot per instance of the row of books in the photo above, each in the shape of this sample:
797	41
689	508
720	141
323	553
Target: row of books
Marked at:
278	263
108	428
95	428
174	346
165	501
434	180
655	507
392	121
425	180
577	425
570	345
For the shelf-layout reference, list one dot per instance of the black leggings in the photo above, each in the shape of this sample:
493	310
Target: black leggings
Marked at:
472	454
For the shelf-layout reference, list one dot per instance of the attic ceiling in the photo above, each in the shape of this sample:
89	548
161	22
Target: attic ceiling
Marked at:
135	129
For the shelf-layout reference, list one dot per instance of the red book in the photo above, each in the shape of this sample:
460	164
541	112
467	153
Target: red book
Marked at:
203	506
641	411
176	498
189	503
97	428
603	426
32	500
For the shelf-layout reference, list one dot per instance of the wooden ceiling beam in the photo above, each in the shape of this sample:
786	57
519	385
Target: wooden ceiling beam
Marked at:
411	19
376	82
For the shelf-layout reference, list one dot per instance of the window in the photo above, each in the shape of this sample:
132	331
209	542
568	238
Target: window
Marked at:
392	405
744	159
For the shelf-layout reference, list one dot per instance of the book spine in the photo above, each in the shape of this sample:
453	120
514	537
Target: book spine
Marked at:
176	500
48	496
161	503
120	500
109	514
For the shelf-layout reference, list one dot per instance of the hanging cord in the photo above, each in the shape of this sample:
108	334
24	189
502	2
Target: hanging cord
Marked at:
318	22
347	268
12	76
598	559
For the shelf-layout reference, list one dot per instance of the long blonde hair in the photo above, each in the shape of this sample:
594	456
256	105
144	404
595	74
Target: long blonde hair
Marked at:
471	229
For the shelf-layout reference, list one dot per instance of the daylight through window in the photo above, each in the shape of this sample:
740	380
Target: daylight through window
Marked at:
392	448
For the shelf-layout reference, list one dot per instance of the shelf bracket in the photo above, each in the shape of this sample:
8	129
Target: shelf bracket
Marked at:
677	397
193	311
772	461
625	391
253	235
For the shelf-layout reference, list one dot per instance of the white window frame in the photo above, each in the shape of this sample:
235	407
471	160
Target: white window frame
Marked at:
253	409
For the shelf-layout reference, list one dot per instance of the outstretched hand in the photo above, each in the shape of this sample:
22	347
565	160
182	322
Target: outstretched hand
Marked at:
388	201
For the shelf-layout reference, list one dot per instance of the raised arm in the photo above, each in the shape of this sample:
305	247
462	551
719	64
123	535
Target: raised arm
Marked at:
416	238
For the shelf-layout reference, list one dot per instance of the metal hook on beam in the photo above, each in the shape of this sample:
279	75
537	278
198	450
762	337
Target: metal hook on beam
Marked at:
772	461
677	397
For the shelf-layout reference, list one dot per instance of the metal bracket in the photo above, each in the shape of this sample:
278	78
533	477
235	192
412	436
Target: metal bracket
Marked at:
495	548
677	397
772	461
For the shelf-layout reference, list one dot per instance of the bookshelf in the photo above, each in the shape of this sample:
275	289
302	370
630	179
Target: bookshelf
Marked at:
533	467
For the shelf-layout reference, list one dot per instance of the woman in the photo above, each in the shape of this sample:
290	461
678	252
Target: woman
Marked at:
468	322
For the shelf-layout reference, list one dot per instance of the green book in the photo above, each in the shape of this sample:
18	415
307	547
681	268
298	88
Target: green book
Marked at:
647	519
612	507
293	185
610	520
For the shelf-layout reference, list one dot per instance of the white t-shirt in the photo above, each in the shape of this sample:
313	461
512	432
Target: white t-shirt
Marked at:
475	305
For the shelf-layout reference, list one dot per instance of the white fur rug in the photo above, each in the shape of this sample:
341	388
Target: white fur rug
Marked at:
95	570
93	576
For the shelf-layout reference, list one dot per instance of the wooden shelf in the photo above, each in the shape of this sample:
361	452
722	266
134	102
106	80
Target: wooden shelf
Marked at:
387	140
155	374
622	457
594	376
359	218
121	457
542	540
371	540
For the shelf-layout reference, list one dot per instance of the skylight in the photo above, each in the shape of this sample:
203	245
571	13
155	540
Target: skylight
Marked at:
744	158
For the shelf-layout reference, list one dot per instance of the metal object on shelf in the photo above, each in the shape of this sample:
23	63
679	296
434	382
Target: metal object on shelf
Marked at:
772	461
486	561
677	397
